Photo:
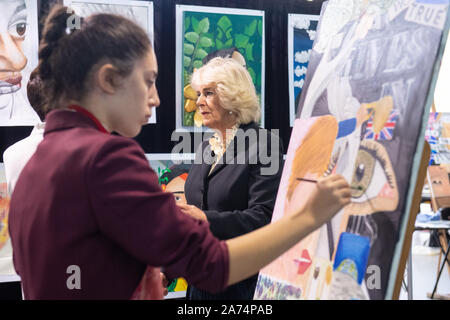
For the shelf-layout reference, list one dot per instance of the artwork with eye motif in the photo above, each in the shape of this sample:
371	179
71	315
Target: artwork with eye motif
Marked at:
18	57
370	70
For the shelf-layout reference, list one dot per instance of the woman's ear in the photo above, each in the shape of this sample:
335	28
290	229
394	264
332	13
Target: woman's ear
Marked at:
107	78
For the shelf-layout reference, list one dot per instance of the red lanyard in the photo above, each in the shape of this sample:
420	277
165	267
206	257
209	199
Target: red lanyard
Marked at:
89	115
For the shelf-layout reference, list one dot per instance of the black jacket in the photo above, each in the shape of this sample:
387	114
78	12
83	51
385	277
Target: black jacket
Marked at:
236	197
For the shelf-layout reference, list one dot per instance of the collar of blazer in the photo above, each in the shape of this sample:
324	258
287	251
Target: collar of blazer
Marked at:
221	161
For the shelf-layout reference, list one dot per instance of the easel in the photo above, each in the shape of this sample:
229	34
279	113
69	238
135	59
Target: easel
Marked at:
415	208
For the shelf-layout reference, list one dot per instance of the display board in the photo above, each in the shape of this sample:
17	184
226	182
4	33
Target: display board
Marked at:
203	30
141	12
301	34
362	114
19	57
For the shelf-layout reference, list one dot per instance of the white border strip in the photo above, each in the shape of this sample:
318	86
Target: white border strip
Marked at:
291	17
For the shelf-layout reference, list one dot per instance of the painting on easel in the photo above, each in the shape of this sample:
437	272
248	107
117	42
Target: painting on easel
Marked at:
438	136
362	114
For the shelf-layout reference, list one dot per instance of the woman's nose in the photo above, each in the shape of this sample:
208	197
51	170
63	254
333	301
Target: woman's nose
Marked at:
154	99
11	55
201	100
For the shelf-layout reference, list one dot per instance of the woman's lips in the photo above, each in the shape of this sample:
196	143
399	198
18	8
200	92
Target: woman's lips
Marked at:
14	81
10	85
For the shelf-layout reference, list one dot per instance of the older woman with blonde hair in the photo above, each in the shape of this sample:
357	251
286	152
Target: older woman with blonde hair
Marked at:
231	192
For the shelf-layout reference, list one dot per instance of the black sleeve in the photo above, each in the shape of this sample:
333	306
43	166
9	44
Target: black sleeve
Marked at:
262	192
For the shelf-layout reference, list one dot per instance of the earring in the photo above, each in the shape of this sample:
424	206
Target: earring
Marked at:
230	112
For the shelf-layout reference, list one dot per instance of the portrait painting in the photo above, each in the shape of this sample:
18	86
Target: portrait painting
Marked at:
19	45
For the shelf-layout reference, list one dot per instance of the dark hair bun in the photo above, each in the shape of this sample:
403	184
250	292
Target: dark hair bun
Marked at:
68	55
54	30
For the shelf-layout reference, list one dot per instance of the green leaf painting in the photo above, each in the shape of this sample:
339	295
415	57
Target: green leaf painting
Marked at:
207	32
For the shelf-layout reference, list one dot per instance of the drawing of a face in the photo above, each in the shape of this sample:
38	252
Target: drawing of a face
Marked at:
310	162
13	27
176	186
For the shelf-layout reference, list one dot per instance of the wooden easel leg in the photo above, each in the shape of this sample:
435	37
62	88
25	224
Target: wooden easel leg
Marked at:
415	208
444	245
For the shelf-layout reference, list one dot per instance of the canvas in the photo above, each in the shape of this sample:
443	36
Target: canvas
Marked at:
301	34
7	272
140	12
370	82
438	136
203	30
18	57
172	171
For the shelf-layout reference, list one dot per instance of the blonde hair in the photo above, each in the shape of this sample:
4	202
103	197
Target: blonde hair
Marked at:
234	87
314	153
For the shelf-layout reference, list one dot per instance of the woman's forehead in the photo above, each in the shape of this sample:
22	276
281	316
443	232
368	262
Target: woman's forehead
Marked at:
9	9
206	86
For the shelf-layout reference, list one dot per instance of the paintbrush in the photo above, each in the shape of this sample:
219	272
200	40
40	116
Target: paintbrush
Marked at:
315	181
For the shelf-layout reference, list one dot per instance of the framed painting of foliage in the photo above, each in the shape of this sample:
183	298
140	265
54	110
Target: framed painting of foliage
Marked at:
201	31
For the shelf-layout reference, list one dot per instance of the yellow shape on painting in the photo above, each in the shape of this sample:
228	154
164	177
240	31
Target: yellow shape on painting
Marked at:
198	119
380	110
190	93
190	105
181	285
328	275
4	208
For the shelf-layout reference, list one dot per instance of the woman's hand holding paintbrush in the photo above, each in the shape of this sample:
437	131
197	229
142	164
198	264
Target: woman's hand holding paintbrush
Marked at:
332	194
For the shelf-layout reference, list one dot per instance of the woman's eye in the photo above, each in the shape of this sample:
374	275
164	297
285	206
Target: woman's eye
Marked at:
18	30
372	171
363	173
21	28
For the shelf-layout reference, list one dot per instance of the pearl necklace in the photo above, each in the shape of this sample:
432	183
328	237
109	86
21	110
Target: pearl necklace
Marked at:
216	144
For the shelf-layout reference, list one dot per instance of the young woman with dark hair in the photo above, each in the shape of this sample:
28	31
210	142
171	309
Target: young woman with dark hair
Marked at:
87	215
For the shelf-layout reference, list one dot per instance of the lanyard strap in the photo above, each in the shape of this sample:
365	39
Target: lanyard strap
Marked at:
89	115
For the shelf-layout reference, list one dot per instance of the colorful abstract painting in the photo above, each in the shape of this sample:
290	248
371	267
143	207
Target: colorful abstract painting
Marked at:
362	114
438	136
201	31
141	12
7	272
172	171
18	58
301	33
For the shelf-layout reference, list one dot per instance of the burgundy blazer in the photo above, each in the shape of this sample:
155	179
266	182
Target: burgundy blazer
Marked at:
90	200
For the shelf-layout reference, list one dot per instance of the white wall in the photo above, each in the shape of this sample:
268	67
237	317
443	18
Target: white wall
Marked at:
442	92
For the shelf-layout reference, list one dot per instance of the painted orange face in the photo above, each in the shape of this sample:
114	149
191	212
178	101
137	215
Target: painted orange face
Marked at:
13	29
176	187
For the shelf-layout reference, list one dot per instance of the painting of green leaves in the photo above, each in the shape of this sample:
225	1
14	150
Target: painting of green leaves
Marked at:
204	30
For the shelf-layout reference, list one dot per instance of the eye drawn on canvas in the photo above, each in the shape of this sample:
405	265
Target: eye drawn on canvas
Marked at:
140	12
362	104
18	57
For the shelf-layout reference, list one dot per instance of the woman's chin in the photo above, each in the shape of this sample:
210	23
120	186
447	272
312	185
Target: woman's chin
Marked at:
130	132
